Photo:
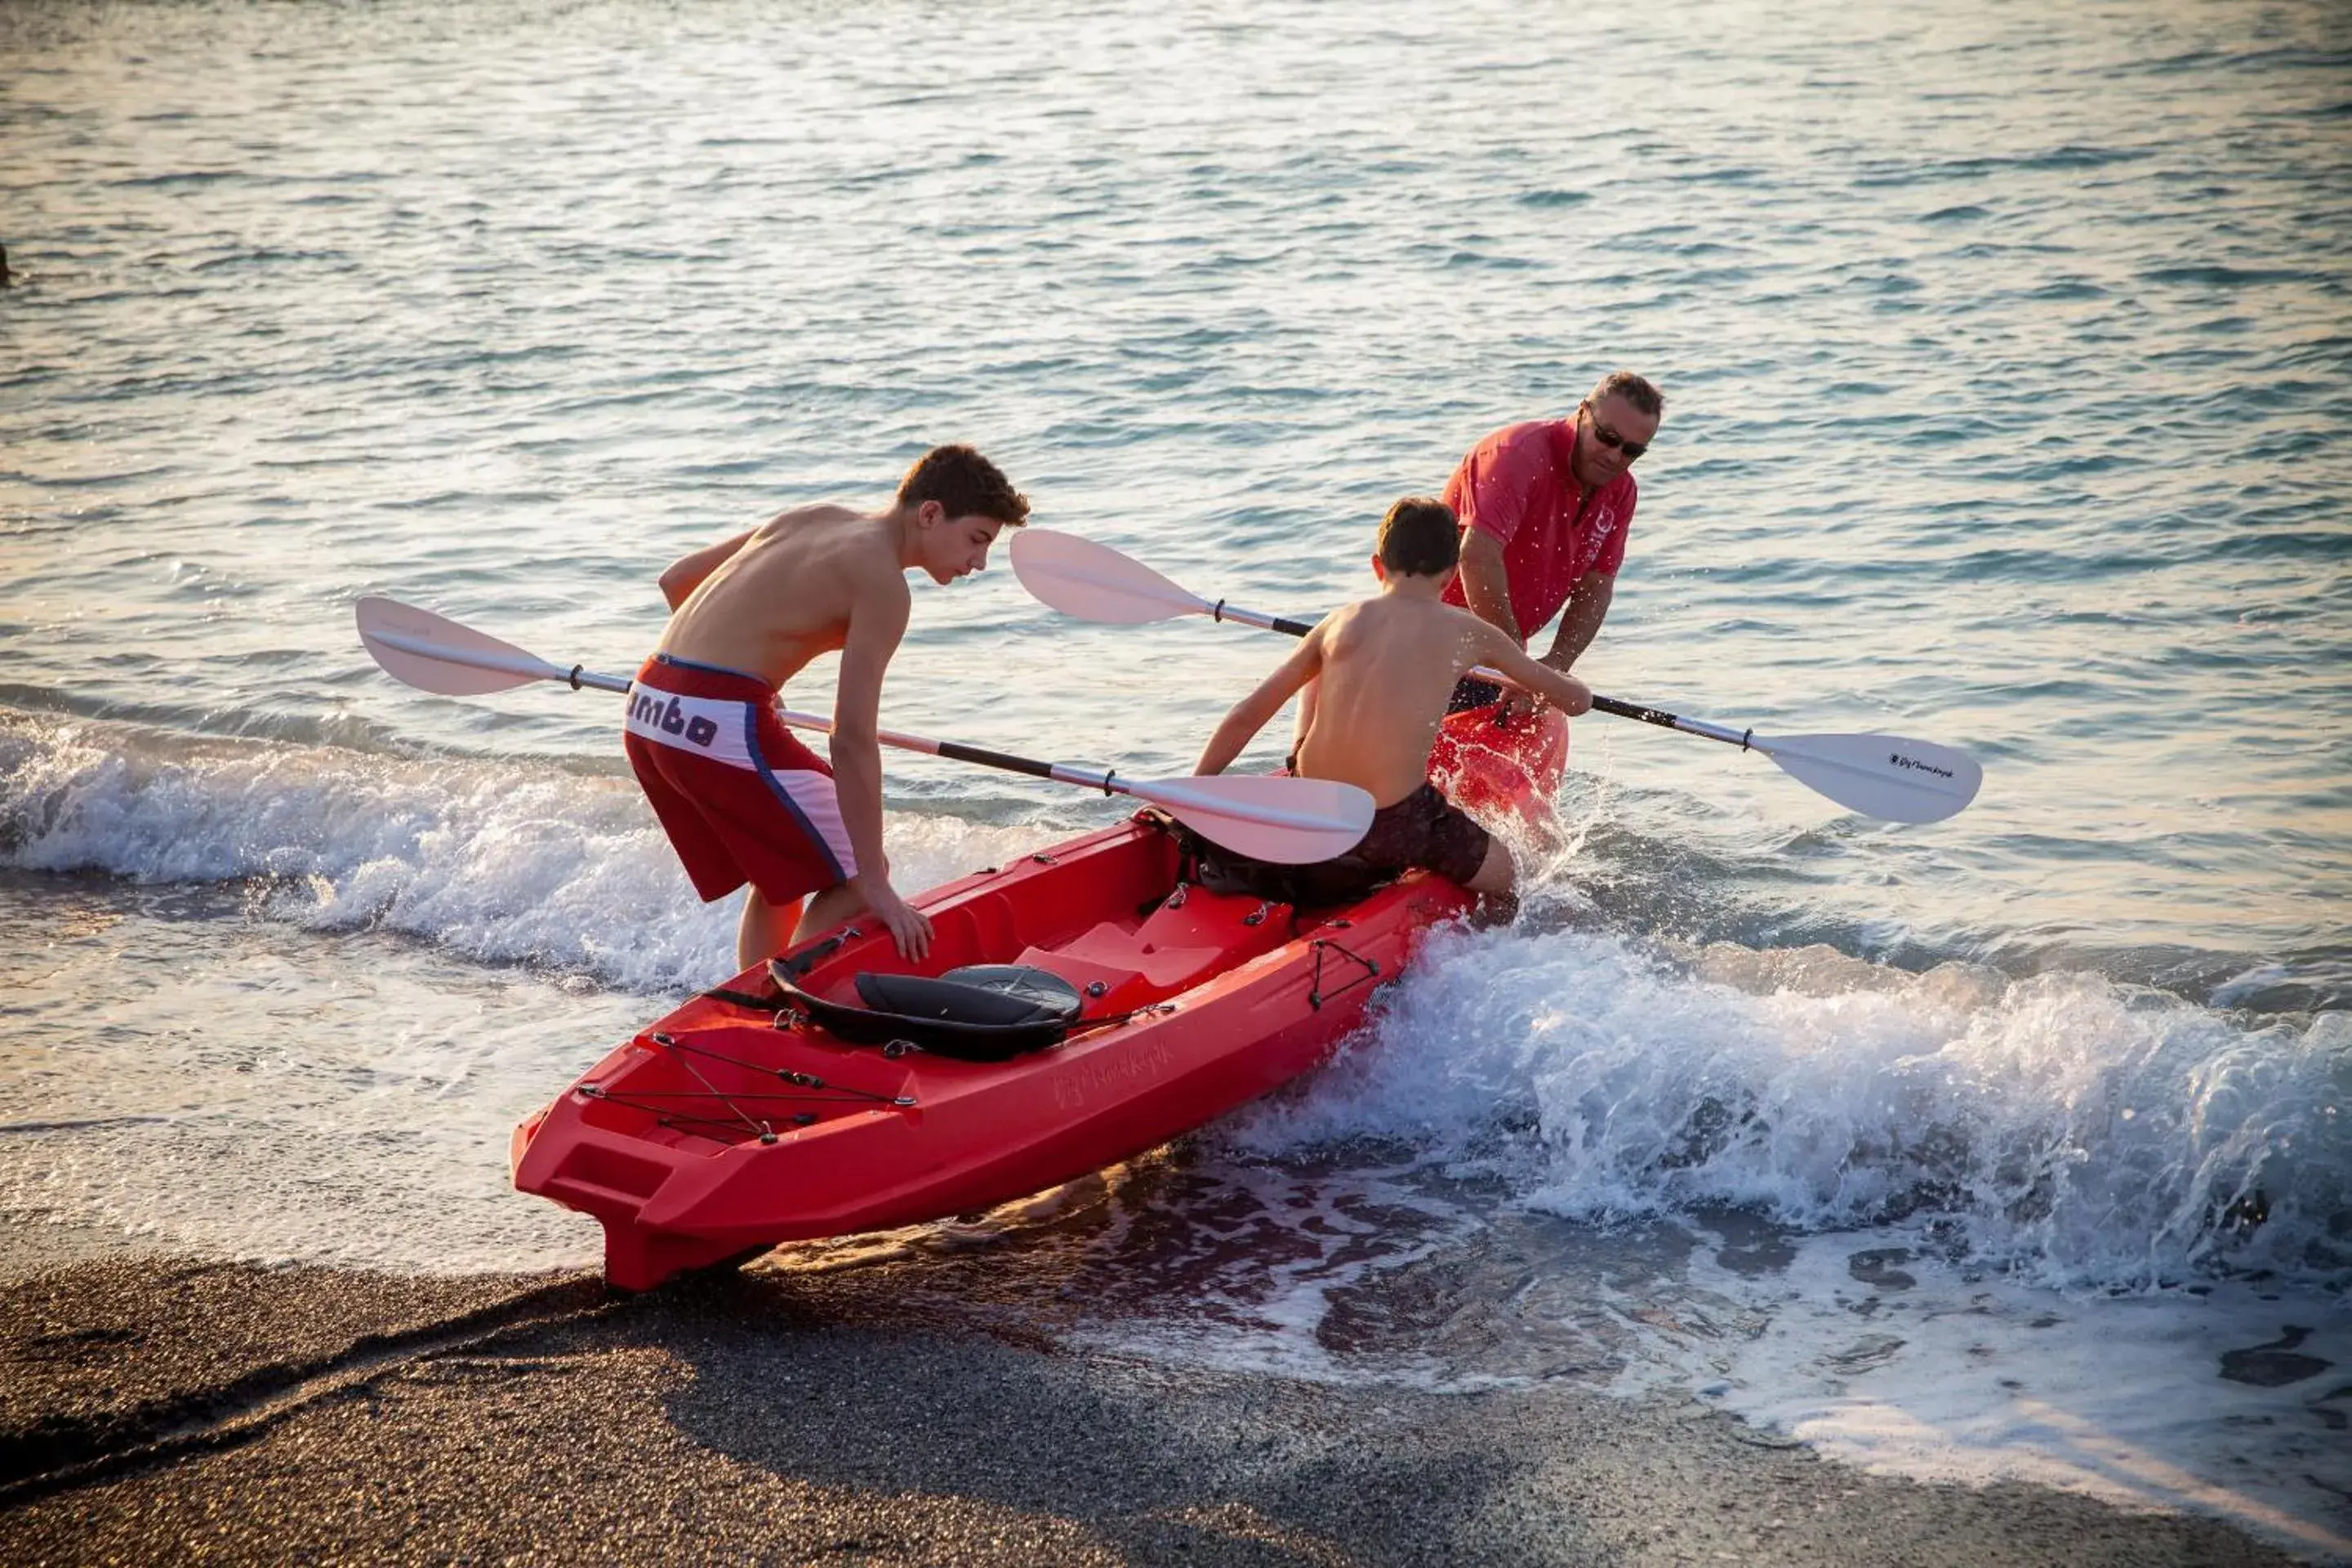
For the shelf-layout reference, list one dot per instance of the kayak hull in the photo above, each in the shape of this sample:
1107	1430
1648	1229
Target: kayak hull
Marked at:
726	1127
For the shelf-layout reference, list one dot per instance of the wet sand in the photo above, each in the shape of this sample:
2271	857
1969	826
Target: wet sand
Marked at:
154	1410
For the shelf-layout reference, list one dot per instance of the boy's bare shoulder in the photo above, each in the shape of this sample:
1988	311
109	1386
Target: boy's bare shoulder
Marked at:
1451	632
869	557
815	517
1332	631
1465	623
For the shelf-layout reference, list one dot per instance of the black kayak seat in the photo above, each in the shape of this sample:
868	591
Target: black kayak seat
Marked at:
982	1012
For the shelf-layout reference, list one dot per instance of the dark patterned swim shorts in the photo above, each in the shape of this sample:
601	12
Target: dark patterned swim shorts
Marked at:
1425	829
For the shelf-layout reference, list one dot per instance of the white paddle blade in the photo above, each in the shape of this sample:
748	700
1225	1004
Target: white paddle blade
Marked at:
435	654
1095	583
1891	777
1292	822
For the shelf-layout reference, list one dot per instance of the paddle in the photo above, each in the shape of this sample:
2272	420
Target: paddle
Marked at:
1289	821
1887	777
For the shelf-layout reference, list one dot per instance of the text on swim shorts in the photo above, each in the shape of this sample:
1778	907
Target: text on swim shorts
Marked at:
715	727
647	708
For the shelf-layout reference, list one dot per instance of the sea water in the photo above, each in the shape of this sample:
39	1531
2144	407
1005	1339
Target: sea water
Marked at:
2006	355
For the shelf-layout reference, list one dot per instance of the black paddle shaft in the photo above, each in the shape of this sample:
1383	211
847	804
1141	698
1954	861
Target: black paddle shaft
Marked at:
1634	710
986	758
1657	716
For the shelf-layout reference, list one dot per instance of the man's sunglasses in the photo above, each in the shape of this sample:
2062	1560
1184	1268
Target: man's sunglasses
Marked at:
1614	442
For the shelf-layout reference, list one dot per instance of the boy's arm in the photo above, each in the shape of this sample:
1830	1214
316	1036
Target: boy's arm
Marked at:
877	620
1492	646
688	572
1248	716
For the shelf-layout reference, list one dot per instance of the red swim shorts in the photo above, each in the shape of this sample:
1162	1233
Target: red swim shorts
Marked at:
742	800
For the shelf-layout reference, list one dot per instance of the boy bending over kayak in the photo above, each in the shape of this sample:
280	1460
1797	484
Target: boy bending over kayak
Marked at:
742	800
1384	669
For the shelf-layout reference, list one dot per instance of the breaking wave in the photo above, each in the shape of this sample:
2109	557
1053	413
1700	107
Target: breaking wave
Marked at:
2075	1130
504	862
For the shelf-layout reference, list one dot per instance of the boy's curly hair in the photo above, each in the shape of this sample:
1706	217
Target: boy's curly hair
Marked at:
965	483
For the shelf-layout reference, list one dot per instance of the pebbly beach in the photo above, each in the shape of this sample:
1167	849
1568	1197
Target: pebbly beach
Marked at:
159	1411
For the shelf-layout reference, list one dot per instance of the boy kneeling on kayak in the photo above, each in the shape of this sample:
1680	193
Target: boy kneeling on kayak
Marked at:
742	800
1383	670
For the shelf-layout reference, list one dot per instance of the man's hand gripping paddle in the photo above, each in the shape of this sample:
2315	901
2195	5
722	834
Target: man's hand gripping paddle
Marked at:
1291	821
1890	777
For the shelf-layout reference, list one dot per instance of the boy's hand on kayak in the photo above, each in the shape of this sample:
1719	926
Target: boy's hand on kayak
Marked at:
910	927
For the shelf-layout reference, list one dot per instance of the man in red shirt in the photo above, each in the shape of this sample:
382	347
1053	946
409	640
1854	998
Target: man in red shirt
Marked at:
1545	508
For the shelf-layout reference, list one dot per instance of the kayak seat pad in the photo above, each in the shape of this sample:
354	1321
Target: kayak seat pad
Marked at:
982	1012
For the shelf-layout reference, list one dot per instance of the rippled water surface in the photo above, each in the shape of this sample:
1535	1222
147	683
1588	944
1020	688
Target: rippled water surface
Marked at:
2009	367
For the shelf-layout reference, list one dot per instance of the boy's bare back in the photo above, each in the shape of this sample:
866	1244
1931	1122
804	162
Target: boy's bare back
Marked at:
1386	669
786	592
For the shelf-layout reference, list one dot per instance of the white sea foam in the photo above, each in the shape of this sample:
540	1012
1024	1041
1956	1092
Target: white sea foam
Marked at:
2076	1131
196	1083
504	861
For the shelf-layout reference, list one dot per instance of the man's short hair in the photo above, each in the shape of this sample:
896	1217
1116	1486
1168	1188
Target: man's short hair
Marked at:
964	483
1635	390
1421	537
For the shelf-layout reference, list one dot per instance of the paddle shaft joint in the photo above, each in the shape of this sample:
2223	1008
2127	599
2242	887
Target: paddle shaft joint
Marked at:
1223	611
1663	720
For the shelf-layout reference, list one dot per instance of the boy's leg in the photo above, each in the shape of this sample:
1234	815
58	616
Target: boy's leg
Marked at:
768	928
828	908
764	929
1498	904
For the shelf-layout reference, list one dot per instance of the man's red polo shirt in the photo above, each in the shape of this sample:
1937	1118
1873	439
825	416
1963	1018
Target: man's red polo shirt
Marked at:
1517	488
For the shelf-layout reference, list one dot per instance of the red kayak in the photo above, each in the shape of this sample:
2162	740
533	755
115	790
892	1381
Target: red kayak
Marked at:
1078	1008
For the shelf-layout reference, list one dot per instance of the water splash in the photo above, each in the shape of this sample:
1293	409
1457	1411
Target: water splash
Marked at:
2078	1132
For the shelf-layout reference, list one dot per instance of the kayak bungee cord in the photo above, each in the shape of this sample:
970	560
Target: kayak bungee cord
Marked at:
842	1094
1316	994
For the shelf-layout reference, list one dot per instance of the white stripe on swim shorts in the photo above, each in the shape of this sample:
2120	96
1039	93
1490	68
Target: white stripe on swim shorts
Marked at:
809	795
820	806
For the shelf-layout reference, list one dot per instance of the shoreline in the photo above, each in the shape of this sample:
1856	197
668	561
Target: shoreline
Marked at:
157	1408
